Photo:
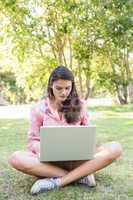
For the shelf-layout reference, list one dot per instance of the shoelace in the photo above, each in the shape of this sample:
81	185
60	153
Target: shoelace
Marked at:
88	180
46	184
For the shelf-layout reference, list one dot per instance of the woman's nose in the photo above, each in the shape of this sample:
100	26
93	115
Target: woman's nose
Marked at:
63	92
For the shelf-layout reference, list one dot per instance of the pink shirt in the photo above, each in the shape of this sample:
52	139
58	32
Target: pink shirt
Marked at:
42	114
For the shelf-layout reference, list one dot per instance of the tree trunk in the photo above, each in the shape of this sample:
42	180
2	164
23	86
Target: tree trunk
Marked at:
51	44
121	97
70	53
80	79
89	90
88	78
121	89
130	89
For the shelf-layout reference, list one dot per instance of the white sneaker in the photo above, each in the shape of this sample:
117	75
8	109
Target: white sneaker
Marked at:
88	180
45	184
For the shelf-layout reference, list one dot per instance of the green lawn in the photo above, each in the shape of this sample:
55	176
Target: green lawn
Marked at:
113	183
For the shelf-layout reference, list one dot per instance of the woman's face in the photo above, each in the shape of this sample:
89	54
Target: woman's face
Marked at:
61	89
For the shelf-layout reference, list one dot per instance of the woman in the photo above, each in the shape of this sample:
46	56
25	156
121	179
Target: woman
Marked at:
61	107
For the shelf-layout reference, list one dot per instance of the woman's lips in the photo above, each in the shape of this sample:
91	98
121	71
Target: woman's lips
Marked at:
62	97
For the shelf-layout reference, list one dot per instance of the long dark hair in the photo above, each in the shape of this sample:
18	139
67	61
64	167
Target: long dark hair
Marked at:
71	106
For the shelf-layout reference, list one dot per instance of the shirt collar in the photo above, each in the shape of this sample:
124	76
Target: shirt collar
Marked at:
51	111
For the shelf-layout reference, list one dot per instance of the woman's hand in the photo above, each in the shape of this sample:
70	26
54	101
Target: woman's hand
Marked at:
36	148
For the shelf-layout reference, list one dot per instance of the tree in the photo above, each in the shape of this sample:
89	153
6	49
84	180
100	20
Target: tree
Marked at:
92	38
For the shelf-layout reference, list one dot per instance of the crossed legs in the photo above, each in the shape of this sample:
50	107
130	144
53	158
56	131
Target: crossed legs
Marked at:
28	163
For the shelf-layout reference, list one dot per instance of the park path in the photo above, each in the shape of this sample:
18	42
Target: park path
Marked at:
14	111
22	111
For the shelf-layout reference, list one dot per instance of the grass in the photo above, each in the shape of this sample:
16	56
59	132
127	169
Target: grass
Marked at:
115	182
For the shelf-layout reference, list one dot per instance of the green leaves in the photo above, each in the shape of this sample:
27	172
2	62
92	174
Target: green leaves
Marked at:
93	38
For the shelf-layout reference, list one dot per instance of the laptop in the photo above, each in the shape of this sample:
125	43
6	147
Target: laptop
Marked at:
65	143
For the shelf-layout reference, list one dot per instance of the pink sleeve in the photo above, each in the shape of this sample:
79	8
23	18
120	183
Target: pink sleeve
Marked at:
36	121
84	114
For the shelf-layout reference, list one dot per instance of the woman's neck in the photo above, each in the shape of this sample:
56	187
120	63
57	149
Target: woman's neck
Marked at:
54	104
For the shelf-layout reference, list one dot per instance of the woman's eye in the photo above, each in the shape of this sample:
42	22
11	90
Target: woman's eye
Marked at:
58	88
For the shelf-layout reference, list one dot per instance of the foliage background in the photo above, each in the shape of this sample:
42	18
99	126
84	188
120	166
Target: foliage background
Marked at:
93	38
